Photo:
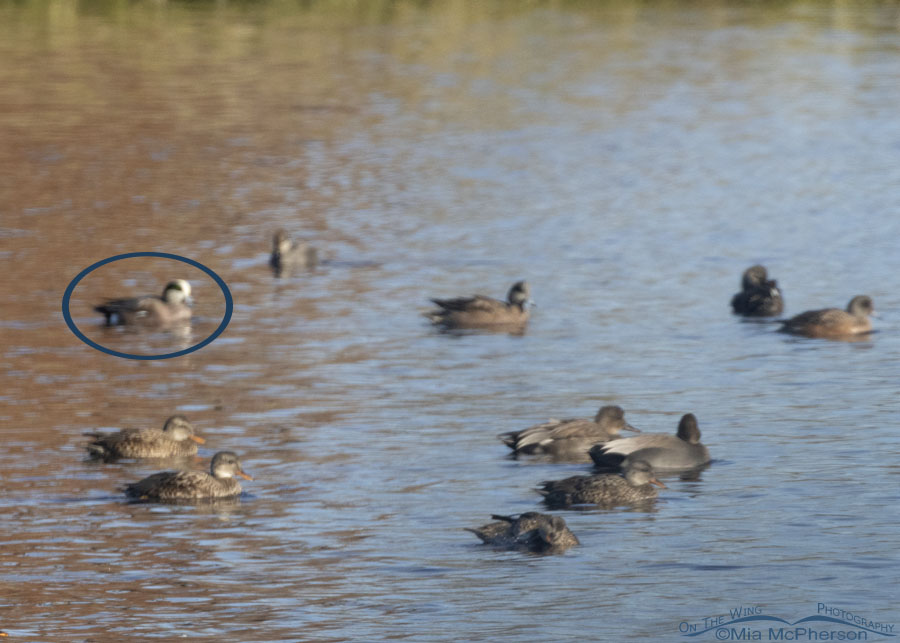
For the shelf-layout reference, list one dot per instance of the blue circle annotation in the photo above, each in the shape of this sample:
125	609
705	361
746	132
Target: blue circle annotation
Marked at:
229	305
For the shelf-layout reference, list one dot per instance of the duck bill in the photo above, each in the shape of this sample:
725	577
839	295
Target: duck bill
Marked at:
197	439
628	427
658	483
244	475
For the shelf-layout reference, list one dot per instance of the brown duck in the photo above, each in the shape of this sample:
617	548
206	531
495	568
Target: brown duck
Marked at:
569	439
833	323
193	485
174	306
288	255
176	439
532	531
608	489
479	311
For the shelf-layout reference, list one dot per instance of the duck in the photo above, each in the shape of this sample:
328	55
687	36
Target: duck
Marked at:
479	311
172	307
176	439
288	255
606	489
833	323
759	296
193	485
531	531
662	451
569	439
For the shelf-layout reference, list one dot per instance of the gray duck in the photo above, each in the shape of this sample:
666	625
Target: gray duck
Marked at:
663	451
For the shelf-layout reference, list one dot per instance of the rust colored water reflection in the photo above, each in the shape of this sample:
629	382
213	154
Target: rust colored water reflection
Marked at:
628	159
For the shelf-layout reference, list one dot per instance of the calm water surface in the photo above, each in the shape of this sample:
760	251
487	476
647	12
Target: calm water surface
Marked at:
629	159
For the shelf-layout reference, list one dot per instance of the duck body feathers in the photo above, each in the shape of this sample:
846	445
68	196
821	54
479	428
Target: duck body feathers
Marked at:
175	440
479	311
759	302
759	296
532	531
172	307
183	485
608	490
150	310
662	451
288	255
139	443
569	439
303	258
192	485
833	322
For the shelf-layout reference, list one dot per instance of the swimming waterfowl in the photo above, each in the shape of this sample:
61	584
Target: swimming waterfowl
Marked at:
607	489
479	311
288	255
193	485
175	439
174	306
833	322
759	296
531	531
661	450
569	439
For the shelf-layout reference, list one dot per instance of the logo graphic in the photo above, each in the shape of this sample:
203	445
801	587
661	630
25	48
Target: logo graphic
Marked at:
751	624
